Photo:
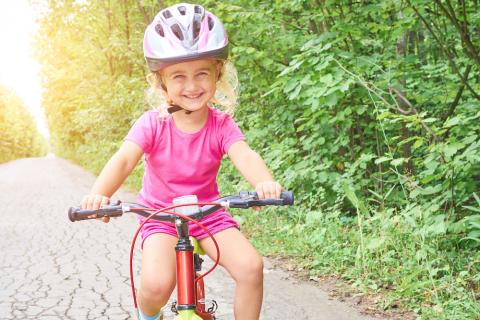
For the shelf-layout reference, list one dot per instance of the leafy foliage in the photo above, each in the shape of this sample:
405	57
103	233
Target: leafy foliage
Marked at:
368	110
19	136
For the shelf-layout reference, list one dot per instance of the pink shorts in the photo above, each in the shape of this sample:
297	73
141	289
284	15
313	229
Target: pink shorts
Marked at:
215	222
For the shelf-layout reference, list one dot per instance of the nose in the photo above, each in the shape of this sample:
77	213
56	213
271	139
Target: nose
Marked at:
191	85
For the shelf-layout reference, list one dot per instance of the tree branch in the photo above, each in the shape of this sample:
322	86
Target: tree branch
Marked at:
411	111
468	46
146	18
455	102
447	52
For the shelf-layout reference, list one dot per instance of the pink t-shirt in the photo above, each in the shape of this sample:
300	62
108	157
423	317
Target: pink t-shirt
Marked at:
179	163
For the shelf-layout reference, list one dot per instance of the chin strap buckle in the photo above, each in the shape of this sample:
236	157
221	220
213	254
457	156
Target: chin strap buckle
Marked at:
174	108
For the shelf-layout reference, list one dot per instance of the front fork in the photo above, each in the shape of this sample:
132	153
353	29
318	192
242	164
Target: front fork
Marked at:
200	312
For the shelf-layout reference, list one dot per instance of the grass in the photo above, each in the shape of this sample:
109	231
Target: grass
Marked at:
401	265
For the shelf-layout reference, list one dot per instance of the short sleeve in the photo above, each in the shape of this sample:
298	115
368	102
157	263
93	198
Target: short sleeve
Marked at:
143	131
229	133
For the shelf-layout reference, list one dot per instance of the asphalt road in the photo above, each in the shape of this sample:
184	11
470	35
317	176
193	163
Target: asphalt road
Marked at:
53	269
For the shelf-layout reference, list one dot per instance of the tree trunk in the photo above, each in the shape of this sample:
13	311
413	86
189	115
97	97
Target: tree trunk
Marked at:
108	13
127	37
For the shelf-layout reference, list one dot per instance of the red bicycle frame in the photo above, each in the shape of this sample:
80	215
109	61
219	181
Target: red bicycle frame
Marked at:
190	296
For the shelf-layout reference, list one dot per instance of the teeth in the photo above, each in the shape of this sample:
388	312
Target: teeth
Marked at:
193	97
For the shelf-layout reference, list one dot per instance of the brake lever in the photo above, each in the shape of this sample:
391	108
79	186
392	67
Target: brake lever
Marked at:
248	195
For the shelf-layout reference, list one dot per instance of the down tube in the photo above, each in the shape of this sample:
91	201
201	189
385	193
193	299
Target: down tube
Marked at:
185	280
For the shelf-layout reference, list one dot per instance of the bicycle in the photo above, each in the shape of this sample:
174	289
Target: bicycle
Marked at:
190	303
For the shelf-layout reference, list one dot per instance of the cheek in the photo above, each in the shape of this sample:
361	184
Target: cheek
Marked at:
171	87
211	83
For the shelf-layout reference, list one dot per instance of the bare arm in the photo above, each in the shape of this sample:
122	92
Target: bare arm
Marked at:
117	169
253	168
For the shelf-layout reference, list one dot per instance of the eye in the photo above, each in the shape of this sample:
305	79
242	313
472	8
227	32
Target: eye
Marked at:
178	77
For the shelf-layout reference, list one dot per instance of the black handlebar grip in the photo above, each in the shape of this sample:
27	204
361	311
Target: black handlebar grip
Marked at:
77	214
287	197
268	202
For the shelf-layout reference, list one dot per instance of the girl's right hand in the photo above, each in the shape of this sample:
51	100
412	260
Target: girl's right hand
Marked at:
94	202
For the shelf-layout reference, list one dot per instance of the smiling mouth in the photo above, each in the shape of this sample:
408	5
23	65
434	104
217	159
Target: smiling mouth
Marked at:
193	97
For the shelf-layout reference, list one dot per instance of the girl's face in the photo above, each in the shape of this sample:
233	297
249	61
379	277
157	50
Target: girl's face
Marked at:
191	84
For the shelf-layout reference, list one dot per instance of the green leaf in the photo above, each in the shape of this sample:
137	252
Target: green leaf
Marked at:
415	192
353	199
450	150
382	159
418	143
350	194
451	122
313	217
290	85
472	208
331	99
322	177
473	235
437	226
375	243
295	92
398	161
477	198
432	189
326	79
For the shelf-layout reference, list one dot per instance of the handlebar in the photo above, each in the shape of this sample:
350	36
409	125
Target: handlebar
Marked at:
243	200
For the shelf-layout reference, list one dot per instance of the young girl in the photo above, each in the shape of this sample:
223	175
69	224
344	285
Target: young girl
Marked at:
186	50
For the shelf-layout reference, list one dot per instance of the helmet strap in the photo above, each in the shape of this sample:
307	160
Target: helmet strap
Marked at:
175	107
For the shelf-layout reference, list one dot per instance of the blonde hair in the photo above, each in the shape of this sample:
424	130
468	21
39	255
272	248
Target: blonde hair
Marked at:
226	94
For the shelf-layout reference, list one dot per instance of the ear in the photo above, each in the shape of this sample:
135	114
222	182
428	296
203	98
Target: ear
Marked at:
219	66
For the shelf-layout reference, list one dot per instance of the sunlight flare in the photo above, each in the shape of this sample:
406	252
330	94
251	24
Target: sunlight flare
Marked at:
18	70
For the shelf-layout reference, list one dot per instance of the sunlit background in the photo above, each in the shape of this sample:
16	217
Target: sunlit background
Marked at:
18	70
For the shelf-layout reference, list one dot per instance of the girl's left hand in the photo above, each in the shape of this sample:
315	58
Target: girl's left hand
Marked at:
268	189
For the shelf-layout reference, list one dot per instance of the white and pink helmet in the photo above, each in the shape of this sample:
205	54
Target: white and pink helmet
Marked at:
184	32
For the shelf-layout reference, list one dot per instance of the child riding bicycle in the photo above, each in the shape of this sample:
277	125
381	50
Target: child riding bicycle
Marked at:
183	141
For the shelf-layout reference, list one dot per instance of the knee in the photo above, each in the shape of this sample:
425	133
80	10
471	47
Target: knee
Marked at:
250	270
157	292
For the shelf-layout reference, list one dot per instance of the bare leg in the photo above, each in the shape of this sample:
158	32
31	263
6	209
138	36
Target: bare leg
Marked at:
245	265
158	272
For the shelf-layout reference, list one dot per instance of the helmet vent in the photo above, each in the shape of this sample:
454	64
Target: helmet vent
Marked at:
197	9
159	30
211	23
177	31
182	10
167	14
196	29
